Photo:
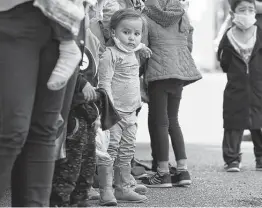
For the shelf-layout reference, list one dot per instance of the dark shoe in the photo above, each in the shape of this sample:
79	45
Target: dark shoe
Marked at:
83	203
233	167
259	164
58	201
79	200
158	181
181	178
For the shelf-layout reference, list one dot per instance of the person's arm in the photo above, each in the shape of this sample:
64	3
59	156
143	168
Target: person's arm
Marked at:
224	57
259	7
105	72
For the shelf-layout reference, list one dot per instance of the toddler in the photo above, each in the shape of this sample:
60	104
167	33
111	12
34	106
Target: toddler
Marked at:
118	74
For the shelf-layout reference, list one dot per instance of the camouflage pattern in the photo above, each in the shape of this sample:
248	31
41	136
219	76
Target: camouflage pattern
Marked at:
74	175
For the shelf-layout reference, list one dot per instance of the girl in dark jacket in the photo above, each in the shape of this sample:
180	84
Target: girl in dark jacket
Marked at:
240	56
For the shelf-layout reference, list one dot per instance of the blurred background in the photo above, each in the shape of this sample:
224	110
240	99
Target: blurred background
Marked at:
206	17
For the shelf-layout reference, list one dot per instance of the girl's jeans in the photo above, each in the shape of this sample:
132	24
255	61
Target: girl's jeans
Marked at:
122	141
164	100
28	110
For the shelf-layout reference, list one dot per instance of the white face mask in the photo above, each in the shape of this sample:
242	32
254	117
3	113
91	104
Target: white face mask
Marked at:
244	22
124	48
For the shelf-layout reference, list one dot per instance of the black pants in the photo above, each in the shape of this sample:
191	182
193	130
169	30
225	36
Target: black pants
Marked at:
165	96
28	110
232	142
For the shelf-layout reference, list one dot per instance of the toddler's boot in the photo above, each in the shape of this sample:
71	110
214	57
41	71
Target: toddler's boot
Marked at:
123	191
105	177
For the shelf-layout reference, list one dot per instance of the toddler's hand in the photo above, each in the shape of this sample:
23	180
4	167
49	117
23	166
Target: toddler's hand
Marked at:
145	52
89	92
185	4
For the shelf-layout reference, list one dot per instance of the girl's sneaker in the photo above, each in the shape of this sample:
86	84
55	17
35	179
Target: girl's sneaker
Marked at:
158	181
181	178
233	167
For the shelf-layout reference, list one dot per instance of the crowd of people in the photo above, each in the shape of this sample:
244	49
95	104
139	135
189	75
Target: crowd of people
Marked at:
73	77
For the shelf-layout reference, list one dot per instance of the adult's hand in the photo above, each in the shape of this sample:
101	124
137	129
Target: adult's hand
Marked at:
89	92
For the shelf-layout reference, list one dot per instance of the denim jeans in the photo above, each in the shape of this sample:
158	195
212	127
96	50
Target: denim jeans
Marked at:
122	141
28	110
164	101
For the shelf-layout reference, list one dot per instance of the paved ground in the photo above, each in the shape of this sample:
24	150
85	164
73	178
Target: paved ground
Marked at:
201	122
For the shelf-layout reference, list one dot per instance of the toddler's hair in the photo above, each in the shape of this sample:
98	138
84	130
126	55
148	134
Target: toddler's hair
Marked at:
124	14
235	3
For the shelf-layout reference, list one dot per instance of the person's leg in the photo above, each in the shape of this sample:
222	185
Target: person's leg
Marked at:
159	115
105	167
88	167
23	32
67	173
181	177
35	165
158	97
122	167
177	139
231	148
257	141
153	145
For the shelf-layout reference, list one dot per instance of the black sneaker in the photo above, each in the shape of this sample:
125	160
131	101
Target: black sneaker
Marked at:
233	167
158	181
181	179
259	164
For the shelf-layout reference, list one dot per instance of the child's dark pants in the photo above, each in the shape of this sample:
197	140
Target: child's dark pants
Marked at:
28	110
232	141
74	177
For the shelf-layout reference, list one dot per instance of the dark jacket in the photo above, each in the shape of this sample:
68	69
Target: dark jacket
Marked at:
242	106
81	108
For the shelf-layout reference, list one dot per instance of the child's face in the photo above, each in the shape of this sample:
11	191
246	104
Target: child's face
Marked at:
245	8
129	32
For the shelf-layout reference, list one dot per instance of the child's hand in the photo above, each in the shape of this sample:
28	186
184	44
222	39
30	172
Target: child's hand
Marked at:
145	52
89	92
185	4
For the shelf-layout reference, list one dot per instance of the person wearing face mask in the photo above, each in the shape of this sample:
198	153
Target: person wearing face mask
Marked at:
228	22
240	57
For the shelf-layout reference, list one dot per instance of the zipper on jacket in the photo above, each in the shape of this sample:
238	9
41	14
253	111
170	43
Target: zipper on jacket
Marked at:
249	91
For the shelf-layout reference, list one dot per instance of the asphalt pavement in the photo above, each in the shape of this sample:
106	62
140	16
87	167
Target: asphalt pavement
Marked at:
201	122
